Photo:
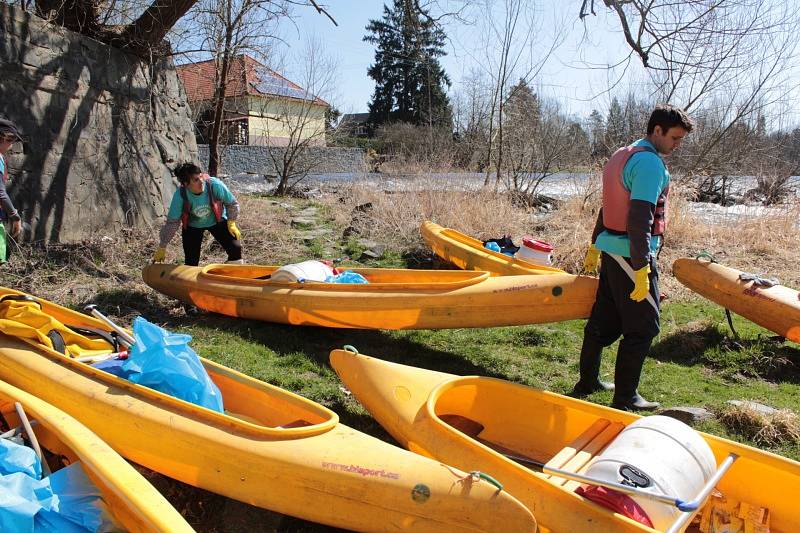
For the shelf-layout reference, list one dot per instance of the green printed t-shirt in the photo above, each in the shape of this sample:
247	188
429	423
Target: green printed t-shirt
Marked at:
200	213
645	175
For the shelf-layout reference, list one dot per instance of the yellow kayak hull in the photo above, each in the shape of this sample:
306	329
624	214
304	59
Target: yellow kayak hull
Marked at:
468	253
410	403
775	308
271	448
132	500
394	298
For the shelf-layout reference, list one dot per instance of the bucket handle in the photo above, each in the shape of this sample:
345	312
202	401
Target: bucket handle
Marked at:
687	507
690	507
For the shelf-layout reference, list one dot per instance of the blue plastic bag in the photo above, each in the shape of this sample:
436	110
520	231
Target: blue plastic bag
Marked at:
17	458
348	276
65	502
164	361
78	505
493	246
21	498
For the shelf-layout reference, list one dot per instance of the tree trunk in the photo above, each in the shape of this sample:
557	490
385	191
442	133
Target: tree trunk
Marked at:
219	115
151	28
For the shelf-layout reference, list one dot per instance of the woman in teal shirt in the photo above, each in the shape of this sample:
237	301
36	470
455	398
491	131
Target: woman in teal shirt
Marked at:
201	204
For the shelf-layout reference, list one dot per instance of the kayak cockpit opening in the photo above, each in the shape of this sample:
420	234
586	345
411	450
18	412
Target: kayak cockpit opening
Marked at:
514	420
376	277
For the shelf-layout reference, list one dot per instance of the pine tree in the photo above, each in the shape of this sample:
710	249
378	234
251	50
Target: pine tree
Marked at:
410	83
615	126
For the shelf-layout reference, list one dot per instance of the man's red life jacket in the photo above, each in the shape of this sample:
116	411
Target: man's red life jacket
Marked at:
216	205
617	199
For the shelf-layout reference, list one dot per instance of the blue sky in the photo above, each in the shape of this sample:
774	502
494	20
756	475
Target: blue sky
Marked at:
575	74
566	75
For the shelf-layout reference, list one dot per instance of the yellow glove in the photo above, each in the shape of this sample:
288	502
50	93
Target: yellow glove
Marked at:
234	230
592	261
160	255
642	284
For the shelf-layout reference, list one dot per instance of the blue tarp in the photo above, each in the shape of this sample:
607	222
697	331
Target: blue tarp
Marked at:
66	501
164	361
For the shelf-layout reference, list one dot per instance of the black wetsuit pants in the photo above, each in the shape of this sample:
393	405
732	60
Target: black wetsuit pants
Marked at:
193	241
614	314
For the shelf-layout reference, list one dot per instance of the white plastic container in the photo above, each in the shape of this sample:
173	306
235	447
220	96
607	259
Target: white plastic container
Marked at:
671	456
535	251
305	271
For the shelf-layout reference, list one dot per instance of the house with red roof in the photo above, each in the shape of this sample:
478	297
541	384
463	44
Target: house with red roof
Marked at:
261	106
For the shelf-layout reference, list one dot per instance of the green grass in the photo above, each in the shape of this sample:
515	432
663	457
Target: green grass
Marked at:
694	362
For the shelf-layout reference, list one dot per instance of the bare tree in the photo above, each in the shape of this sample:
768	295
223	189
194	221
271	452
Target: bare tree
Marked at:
298	122
510	51
225	30
471	114
540	141
726	61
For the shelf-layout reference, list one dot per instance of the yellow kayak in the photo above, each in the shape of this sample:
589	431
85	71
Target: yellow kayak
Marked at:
393	298
271	448
468	253
133	502
504	428
776	307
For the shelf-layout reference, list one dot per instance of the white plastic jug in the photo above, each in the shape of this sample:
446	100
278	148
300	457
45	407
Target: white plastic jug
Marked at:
535	251
305	271
669	454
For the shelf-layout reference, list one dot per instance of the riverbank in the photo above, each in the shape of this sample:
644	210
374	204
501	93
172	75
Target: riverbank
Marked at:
694	362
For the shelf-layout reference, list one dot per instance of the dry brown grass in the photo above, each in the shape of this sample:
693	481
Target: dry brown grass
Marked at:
779	427
764	245
66	272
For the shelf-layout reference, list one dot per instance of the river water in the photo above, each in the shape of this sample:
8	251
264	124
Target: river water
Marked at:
561	185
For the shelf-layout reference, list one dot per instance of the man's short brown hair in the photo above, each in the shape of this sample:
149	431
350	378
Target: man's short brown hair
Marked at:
668	116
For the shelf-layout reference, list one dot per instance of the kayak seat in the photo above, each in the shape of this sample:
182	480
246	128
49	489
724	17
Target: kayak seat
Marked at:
579	454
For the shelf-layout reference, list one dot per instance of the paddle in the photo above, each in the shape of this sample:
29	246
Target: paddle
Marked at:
123	335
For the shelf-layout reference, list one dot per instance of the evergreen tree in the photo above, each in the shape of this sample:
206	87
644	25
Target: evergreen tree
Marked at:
597	133
410	84
615	133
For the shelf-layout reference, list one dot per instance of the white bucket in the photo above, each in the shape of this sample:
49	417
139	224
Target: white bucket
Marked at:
305	271
671	455
535	251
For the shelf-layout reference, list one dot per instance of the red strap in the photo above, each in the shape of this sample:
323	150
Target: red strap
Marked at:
616	501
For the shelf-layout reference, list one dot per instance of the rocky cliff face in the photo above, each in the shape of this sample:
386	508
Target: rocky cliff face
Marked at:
101	130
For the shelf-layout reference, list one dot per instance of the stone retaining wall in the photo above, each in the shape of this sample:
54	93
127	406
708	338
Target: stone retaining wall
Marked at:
101	129
237	159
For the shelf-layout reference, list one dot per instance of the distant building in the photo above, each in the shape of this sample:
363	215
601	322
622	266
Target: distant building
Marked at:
355	125
261	106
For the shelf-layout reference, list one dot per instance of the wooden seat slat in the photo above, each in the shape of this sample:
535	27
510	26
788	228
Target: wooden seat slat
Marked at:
582	451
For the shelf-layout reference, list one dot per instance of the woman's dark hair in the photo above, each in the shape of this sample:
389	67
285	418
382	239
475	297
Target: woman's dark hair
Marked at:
185	171
668	116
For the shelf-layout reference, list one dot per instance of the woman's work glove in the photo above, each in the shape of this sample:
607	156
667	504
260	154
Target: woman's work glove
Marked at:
641	285
234	230
592	261
16	228
160	255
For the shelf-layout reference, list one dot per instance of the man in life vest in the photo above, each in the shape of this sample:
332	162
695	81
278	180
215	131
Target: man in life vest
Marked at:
201	204
9	134
629	230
